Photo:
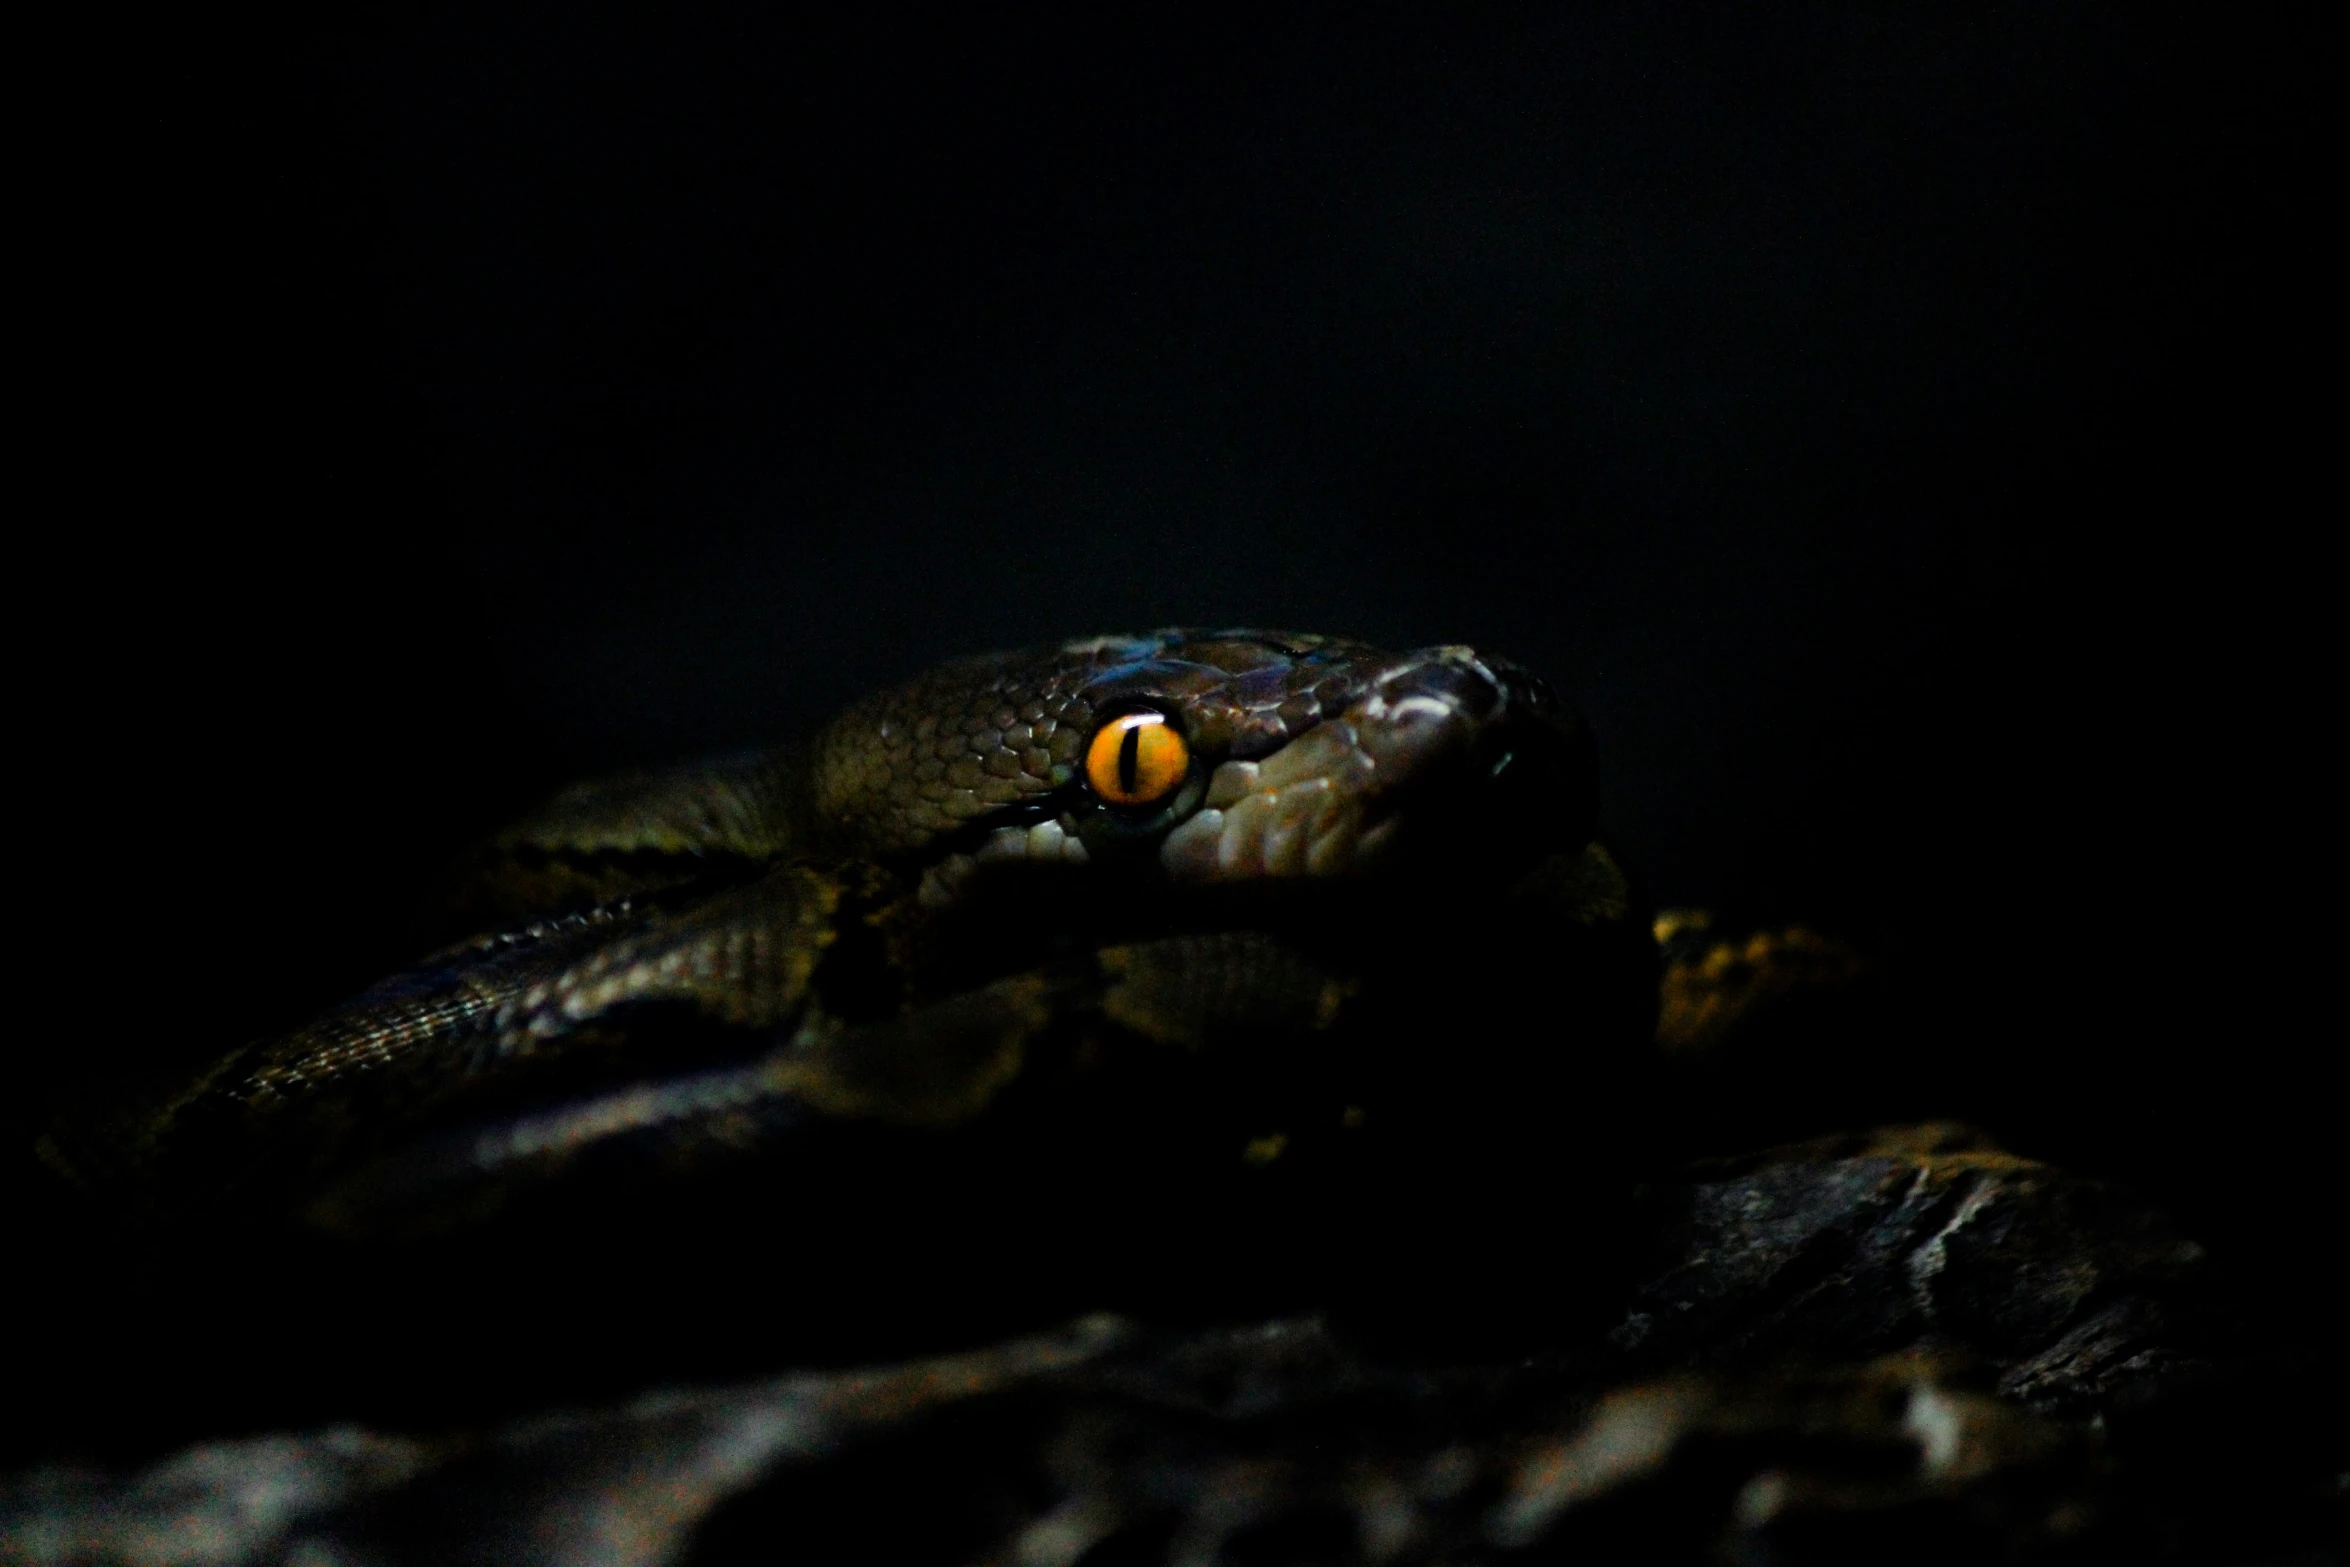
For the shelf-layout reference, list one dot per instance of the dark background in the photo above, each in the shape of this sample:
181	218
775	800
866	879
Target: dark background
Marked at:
1896	431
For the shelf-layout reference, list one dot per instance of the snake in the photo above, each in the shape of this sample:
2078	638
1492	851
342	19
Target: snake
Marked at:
1140	957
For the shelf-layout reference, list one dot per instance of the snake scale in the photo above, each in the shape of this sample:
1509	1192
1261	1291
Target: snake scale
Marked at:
747	1175
1128	968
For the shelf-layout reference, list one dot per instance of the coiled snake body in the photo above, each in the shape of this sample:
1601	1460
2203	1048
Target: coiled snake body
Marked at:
1128	963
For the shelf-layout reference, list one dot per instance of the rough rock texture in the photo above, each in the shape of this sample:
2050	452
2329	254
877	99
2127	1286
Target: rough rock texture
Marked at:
1924	1235
1902	1343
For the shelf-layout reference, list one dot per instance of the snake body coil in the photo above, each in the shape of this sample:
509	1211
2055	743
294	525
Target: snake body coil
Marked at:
1086	962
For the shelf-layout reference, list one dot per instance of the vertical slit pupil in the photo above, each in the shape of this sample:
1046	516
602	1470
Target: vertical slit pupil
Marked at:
1130	757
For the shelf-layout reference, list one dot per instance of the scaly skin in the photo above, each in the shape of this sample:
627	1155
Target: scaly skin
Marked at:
1372	902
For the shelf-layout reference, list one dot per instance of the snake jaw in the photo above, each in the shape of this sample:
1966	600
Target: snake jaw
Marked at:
1047	842
1298	812
1333	802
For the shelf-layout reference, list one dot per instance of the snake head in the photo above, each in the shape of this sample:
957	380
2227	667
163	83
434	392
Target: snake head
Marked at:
1283	758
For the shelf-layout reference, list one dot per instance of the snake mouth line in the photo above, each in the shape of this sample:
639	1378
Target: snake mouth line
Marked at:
1448	737
1312	808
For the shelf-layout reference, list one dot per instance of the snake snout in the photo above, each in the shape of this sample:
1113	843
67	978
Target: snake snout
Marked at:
1440	748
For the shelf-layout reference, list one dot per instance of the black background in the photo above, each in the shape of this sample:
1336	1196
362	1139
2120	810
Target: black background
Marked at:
1898	432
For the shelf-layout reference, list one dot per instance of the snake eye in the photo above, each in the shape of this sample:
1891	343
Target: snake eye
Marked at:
1136	759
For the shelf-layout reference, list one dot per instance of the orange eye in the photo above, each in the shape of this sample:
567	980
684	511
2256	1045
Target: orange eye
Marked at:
1136	759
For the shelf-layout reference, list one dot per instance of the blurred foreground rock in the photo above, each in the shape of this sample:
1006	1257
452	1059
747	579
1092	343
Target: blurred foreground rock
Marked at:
1905	1343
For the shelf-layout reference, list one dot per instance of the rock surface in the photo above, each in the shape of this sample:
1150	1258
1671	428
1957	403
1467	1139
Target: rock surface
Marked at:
1906	1342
